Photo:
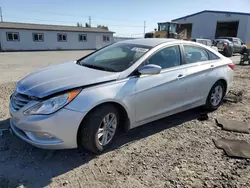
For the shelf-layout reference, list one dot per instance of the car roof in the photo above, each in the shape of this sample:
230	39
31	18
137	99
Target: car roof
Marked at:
228	38
201	39
223	39
152	42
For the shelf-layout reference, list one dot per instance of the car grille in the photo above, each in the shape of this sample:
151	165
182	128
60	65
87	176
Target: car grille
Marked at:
19	100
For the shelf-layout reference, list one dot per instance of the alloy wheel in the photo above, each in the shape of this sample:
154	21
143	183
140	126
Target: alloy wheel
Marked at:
107	129
216	95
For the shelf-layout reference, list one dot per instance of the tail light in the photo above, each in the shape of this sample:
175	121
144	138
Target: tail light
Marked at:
231	66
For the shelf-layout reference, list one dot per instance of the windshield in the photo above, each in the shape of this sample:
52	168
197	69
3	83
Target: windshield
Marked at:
163	27
114	58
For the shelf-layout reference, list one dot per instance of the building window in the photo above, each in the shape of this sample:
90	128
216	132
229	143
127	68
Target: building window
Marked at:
82	38
61	37
105	38
38	37
12	36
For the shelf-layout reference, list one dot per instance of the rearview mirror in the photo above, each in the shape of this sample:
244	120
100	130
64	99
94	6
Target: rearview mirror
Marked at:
150	69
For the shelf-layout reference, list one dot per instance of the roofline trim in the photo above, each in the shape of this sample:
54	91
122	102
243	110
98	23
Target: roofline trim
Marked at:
45	29
212	11
58	30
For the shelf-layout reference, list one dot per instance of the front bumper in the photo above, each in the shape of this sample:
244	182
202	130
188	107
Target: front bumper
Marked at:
62	126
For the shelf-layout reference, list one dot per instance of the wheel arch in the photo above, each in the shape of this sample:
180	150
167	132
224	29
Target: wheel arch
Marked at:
219	80
124	117
224	83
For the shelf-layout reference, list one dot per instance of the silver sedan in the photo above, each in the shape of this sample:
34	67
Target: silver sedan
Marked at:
124	85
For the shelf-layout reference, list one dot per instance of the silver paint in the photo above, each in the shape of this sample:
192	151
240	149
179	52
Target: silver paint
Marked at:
145	98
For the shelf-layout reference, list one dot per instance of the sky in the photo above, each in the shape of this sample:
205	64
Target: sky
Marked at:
124	17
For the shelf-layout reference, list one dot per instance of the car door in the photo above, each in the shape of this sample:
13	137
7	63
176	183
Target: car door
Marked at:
237	45
200	73
163	92
242	46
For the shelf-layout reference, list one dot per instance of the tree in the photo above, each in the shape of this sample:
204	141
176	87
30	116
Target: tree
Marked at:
78	24
103	27
87	25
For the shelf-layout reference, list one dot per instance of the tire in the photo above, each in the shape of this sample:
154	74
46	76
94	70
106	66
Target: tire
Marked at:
229	53
88	132
211	105
243	51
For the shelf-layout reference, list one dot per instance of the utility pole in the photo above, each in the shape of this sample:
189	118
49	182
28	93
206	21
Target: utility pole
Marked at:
89	21
144	27
1	14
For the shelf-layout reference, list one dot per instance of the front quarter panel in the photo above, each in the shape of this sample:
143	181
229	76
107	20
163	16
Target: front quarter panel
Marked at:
121	92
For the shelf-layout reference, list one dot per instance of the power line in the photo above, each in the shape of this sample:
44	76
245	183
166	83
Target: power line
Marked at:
123	25
60	21
79	15
35	19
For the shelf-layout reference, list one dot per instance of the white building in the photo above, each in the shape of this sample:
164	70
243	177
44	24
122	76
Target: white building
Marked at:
22	36
213	24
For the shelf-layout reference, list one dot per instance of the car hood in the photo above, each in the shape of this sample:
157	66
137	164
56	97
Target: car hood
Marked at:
62	77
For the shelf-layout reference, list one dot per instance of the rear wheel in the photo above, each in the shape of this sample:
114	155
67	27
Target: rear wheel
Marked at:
243	51
99	128
229	53
215	96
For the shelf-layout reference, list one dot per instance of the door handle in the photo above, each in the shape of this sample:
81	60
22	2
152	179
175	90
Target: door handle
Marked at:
212	66
180	75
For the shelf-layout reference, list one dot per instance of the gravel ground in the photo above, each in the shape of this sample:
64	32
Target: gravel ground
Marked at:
177	151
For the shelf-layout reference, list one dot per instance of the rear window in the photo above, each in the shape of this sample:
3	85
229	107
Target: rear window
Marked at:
212	56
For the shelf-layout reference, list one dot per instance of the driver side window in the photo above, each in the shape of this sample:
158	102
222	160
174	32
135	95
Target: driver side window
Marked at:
166	58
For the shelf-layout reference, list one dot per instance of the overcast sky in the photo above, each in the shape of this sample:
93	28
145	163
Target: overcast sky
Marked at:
126	17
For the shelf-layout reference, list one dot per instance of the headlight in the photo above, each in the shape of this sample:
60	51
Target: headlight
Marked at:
53	104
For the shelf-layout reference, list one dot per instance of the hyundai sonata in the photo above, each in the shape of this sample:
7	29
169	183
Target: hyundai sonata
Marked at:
124	85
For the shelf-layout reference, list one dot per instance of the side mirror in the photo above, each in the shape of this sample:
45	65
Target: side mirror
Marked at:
242	43
149	69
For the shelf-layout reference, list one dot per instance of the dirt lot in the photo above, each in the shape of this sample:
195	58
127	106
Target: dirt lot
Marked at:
177	151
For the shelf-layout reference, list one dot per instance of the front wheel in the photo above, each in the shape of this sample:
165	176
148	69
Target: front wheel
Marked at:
215	96
99	128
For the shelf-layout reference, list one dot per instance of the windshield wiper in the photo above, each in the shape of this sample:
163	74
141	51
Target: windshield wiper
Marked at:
98	67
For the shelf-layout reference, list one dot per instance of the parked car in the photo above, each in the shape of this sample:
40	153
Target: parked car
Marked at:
206	42
224	46
238	45
124	85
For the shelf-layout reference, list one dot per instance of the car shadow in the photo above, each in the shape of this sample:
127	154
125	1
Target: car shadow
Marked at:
156	127
21	163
